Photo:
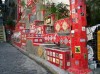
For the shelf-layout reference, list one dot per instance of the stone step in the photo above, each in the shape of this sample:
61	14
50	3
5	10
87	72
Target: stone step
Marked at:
1	26
2	33
1	36
1	30
1	39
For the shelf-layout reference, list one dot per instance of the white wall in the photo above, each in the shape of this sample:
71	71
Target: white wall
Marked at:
63	1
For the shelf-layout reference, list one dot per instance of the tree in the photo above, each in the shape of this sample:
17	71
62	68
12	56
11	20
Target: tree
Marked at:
93	12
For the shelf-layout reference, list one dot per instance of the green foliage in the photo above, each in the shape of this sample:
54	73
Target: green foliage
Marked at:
60	10
42	7
93	12
50	9
53	8
23	3
10	22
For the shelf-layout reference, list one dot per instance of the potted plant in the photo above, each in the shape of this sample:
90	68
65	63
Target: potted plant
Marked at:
23	3
62	10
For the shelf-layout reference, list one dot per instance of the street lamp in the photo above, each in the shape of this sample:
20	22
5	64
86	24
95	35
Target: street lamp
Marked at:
3	1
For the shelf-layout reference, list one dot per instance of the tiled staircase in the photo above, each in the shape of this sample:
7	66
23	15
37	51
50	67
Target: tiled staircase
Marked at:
2	34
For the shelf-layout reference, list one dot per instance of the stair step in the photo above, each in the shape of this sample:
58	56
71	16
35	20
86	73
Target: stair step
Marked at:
1	36
1	27
1	39
1	33
1	30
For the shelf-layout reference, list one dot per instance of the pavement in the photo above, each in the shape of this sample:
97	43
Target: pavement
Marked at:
12	61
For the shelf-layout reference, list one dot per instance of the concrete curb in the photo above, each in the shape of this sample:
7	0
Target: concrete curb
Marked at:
48	66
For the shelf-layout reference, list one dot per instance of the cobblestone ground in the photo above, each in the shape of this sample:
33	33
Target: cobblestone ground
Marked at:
96	71
13	61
